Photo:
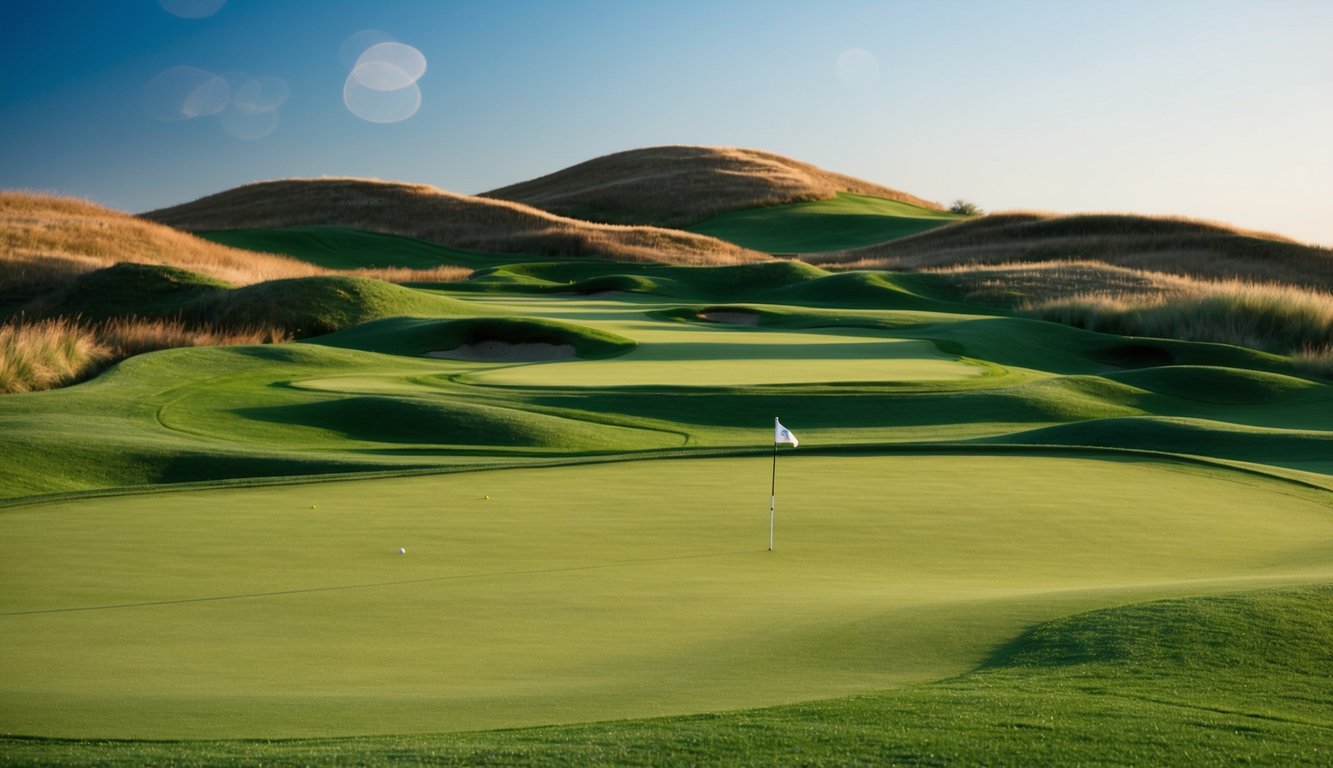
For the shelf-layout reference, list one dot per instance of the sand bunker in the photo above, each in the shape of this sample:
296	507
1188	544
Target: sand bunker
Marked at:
731	318
504	352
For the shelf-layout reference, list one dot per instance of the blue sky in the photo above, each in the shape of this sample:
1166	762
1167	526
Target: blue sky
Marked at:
1220	110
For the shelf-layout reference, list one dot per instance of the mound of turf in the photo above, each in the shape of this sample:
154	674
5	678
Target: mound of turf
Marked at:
145	290
1310	450
445	423
846	221
346	248
879	290
678	185
418	336
311	306
720	282
1210	384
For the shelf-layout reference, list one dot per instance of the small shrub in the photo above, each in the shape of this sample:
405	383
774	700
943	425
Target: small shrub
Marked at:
965	208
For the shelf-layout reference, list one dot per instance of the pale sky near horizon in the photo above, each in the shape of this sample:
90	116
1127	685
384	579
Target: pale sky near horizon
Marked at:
1220	110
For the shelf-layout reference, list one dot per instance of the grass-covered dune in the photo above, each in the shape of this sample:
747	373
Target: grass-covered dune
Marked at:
1167	245
456	221
46	242
351	249
842	222
681	185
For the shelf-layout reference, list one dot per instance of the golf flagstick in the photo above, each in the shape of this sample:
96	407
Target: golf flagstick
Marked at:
773	496
780	435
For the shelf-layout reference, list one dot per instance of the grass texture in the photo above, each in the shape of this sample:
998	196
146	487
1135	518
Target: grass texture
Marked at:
1217	680
842	222
678	186
462	222
587	593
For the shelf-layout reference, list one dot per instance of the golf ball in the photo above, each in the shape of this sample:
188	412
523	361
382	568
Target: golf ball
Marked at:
402	550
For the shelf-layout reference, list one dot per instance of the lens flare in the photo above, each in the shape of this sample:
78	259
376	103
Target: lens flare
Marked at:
389	66
858	68
357	43
181	93
192	9
249	126
257	95
376	106
382	84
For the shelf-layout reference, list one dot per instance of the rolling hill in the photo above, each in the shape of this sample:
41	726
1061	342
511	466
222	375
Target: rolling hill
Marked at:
434	215
46	242
680	185
1159	244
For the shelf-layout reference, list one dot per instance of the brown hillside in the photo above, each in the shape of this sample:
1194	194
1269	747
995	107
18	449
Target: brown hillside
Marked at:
1164	245
47	241
458	221
676	186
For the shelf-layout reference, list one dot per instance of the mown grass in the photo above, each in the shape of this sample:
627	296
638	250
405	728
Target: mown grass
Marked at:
1223	680
456	221
677	186
356	250
844	221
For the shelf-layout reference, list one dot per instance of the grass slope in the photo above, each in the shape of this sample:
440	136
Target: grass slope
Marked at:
346	248
422	212
1215	680
678	185
843	222
1167	245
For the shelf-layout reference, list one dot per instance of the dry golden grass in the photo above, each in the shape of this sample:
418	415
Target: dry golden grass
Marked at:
1167	245
458	221
57	352
46	242
46	239
1277	318
1284	319
677	185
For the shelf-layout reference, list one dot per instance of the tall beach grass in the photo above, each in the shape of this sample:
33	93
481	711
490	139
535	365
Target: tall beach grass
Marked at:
47	354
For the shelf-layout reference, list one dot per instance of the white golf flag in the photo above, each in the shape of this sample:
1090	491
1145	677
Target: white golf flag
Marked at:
783	435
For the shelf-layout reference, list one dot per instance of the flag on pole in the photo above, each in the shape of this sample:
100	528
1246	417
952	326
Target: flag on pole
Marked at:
783	435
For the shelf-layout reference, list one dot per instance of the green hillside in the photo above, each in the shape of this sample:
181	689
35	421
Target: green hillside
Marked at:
345	248
845	221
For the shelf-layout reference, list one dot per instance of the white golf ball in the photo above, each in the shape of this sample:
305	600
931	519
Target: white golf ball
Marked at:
402	550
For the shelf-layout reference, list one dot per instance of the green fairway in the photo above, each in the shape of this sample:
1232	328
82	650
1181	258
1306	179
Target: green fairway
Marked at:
845	221
606	591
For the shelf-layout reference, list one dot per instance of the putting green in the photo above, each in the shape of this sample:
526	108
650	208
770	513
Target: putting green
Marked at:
599	591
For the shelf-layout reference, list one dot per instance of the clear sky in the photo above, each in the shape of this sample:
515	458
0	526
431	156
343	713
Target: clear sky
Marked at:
1215	109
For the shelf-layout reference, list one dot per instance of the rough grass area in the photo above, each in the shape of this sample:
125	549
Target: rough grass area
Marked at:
47	354
677	186
455	221
1277	318
1167	245
46	243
